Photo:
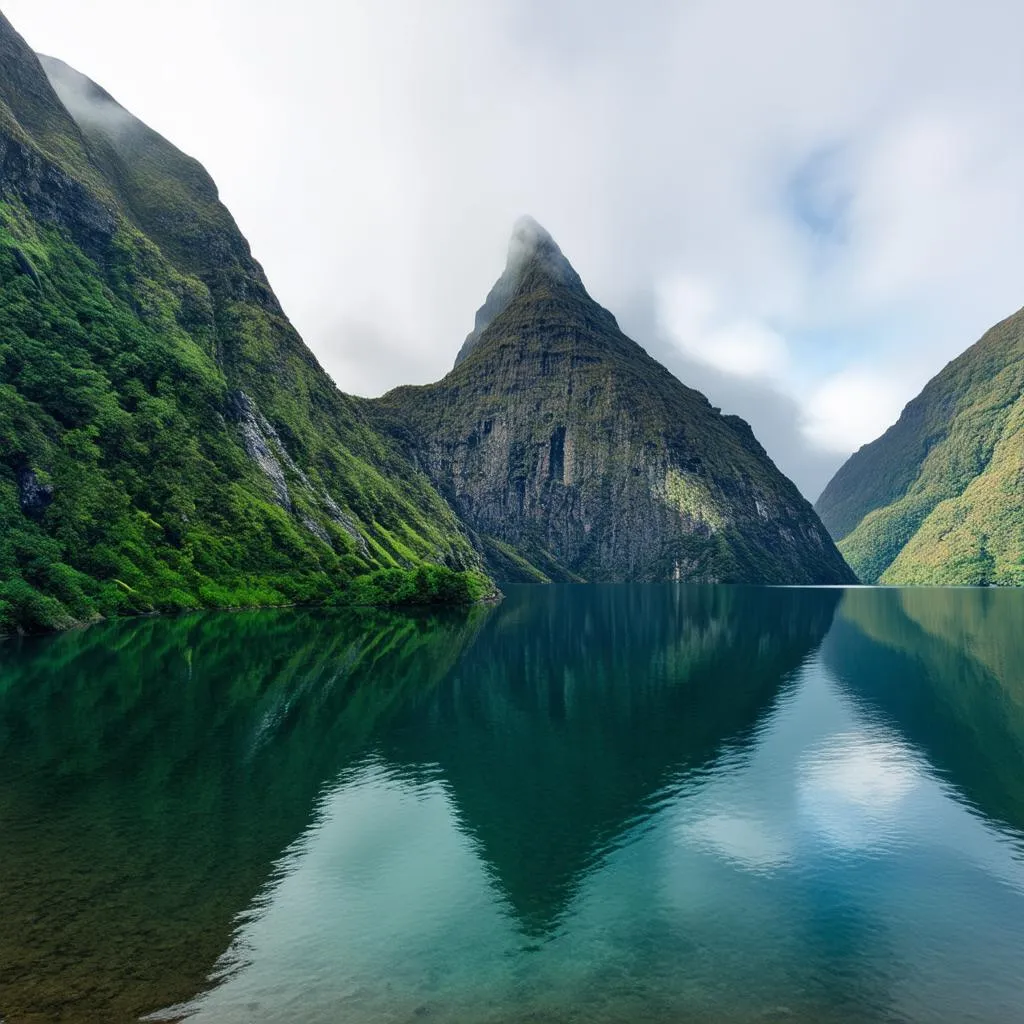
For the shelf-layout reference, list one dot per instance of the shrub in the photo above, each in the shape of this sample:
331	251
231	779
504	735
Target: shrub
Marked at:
424	585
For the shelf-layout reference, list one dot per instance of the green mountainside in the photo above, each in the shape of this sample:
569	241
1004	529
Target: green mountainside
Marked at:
939	498
166	439
573	455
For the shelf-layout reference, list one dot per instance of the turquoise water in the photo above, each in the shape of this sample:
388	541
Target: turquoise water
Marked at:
608	804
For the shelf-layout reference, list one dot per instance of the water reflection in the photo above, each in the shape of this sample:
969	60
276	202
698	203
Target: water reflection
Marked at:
946	667
559	727
591	803
152	771
575	718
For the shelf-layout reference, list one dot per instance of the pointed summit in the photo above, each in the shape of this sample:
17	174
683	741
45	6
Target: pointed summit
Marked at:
531	247
530	243
572	455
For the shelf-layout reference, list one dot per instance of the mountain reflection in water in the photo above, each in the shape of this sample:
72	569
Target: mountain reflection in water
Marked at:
612	803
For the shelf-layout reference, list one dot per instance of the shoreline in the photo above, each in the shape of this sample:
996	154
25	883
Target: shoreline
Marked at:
494	598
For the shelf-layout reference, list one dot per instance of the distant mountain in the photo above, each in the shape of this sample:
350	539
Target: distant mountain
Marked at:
939	497
571	454
166	438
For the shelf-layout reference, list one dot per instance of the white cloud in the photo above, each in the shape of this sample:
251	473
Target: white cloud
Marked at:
753	844
934	191
377	154
694	319
852	407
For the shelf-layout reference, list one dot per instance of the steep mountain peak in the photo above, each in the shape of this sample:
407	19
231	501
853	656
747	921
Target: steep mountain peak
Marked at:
531	250
531	241
572	455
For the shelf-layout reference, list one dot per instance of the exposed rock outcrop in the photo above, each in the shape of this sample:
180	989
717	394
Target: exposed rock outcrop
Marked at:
262	444
33	496
574	455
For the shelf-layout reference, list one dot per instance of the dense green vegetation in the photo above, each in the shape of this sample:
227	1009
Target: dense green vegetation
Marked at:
939	498
155	505
427	584
147	511
166	439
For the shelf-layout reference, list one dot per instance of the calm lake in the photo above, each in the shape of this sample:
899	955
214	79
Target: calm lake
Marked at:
593	804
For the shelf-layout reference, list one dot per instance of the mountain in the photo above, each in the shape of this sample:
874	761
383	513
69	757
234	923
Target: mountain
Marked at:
939	497
166	438
571	454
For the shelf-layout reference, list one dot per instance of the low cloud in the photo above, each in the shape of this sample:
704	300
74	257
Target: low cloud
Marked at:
854	404
89	105
704	329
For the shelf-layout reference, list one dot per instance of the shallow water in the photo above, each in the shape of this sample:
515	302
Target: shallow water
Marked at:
602	804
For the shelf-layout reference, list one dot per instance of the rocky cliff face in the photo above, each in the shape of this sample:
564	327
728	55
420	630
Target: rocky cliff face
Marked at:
573	455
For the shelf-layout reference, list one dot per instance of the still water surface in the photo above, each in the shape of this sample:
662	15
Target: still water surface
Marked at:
602	804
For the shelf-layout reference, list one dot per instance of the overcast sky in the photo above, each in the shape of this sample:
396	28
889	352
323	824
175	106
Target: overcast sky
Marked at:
805	208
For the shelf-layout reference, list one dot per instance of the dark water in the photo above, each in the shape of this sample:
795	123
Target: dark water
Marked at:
601	804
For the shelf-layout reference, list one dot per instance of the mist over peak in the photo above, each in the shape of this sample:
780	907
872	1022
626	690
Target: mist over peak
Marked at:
531	246
92	107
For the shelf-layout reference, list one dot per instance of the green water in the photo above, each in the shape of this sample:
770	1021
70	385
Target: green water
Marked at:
607	804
